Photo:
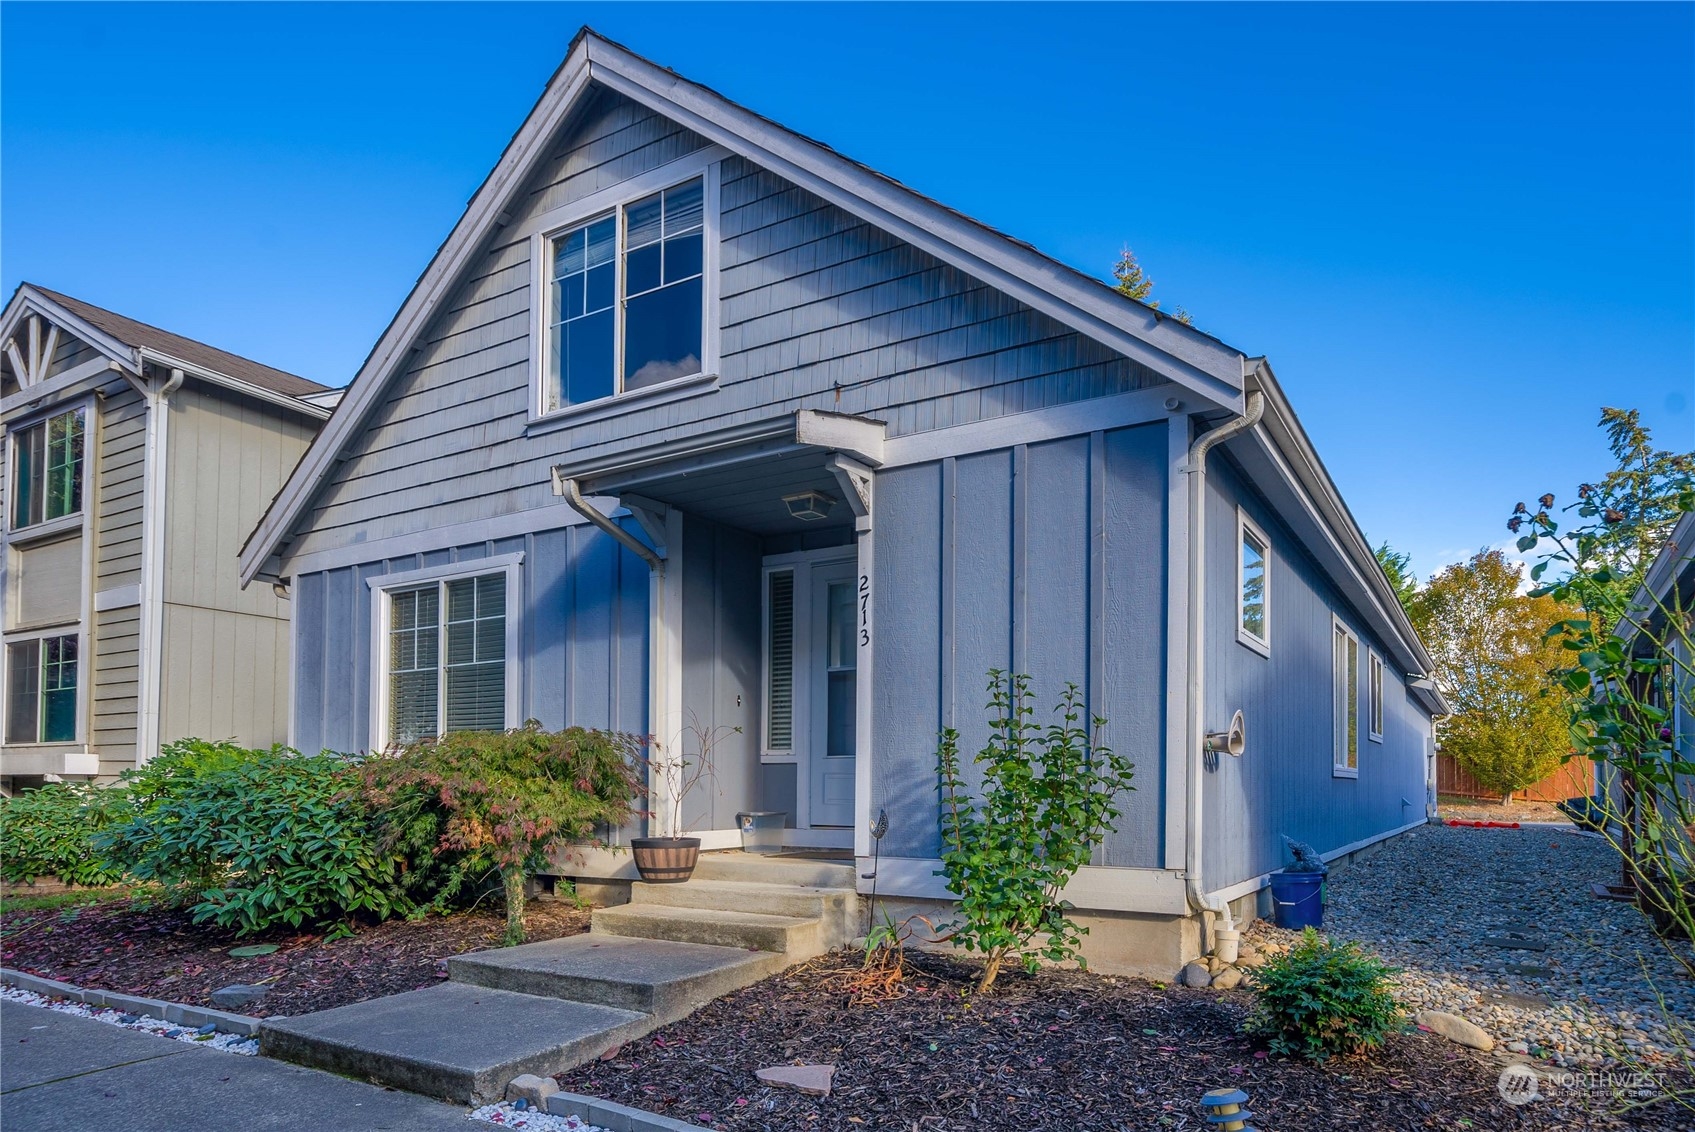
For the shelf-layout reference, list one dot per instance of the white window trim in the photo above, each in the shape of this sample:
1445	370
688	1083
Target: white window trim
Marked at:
383	584
703	164
76	520
1245	527
1376	718
1340	769
75	629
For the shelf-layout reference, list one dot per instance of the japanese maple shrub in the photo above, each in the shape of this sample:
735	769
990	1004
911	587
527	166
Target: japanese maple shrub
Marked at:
1320	999
473	803
1049	795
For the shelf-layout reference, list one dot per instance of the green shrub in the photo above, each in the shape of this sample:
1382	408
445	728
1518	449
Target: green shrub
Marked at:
473	803
1321	998
1050	795
253	840
51	831
180	763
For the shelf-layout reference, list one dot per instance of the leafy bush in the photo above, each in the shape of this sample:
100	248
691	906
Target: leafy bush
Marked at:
473	803
180	763
253	840
1049	796
51	831
1322	998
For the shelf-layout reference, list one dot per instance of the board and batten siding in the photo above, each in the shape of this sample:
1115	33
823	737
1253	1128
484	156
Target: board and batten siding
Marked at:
583	610
1044	559
817	310
225	649
1283	784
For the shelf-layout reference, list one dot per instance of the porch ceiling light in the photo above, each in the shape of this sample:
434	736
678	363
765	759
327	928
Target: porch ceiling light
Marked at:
809	505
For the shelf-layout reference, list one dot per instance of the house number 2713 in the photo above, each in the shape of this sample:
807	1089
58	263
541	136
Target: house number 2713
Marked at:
865	609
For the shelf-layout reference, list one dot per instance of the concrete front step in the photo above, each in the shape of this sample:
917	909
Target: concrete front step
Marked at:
795	937
837	908
660	977
455	1041
757	869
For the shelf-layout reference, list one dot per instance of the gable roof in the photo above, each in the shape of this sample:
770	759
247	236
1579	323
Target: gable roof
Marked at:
1186	356
141	336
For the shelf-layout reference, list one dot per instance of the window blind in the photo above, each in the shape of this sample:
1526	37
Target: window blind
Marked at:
780	679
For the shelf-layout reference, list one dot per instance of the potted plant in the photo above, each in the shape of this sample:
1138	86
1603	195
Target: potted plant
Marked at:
671	857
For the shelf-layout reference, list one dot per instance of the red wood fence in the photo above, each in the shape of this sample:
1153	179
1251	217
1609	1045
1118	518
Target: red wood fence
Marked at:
1569	781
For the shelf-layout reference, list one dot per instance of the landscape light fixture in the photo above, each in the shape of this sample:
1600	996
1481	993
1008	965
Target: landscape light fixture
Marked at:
809	505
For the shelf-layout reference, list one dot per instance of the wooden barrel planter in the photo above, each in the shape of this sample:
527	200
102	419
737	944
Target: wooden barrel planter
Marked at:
665	860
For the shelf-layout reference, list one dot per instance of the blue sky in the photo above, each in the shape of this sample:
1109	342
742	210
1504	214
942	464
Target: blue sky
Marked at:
1456	230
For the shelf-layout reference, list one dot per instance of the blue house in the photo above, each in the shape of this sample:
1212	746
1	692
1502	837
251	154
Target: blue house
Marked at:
694	425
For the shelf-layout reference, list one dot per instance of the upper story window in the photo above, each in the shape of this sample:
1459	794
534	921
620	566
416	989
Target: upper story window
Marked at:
1253	590
1345	682
627	299
41	690
47	470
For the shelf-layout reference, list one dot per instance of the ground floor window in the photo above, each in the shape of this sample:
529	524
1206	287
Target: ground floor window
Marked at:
447	657
41	690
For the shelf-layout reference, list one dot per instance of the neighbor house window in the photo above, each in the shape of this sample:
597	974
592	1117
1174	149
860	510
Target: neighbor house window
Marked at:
1345	679
1253	592
447	657
626	298
41	690
47	470
1374	698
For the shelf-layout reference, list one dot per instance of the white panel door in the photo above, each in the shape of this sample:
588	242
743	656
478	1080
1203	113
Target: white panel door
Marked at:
833	683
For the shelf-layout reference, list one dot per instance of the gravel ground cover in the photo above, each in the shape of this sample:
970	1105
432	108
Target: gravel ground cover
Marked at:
508	1115
204	1036
162	954
1473	809
1061	1051
1498	926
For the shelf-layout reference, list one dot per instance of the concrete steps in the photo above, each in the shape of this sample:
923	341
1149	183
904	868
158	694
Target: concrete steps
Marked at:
666	979
454	1041
793	936
546	1007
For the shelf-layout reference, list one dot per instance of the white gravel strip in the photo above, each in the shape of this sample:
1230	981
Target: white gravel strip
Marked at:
229	1043
505	1115
1429	900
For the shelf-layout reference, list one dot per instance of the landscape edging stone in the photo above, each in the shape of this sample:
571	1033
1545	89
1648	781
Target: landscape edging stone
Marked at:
615	1117
176	1013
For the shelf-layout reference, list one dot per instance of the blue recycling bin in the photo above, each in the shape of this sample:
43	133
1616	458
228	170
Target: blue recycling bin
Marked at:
1297	900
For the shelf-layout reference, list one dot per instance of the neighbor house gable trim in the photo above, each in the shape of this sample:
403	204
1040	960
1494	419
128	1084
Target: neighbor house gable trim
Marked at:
1193	359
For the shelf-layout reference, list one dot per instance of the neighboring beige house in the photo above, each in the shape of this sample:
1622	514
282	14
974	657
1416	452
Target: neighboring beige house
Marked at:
136	461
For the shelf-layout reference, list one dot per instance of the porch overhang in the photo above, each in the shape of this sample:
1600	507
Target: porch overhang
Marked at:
741	474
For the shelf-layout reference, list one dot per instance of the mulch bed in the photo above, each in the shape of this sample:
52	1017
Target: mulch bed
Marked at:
162	954
1062	1050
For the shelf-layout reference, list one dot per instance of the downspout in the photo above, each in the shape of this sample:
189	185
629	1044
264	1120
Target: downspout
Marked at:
1195	736
574	496
152	627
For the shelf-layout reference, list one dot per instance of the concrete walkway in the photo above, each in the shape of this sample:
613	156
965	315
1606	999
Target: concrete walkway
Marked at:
58	1071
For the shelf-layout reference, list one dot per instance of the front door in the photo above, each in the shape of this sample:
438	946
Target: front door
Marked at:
834	694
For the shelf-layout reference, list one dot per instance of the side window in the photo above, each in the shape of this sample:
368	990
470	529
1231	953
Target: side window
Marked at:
1253	585
1345	680
41	690
1374	698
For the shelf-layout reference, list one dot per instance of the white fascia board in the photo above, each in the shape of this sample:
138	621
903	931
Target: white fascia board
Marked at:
246	388
860	437
30	301
1189	357
434	287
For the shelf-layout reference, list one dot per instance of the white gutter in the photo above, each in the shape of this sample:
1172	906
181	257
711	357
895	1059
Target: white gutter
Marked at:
566	486
152	619
1195	735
